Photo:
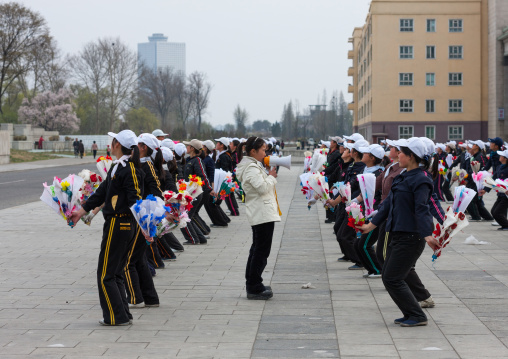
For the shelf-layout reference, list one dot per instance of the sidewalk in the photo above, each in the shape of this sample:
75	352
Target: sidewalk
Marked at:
57	162
49	302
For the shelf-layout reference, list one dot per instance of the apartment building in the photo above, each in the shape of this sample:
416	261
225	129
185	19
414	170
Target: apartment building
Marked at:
420	68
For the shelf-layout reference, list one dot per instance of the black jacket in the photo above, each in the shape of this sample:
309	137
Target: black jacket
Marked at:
354	169
333	161
194	166
224	162
179	171
169	183
209	168
501	173
406	209
118	193
493	162
152	183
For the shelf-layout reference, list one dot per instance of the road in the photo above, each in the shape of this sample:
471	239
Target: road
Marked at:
21	187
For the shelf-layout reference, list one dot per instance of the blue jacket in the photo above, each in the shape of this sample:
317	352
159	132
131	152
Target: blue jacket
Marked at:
406	209
209	168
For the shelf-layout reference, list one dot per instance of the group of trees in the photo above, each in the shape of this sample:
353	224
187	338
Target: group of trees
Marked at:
99	89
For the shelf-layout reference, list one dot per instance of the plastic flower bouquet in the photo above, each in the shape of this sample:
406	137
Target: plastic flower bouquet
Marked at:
479	179
367	184
355	217
91	182
149	213
459	175
442	168
194	186
63	195
178	204
103	165
475	166
307	191
497	185
319	184
222	183
455	220
344	191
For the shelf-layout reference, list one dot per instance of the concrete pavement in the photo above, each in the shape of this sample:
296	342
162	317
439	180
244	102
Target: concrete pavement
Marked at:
49	303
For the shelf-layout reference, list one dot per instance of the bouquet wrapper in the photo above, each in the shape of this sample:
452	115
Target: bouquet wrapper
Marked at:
355	217
479	179
452	225
307	163
319	184
449	160
345	191
103	165
65	193
367	184
306	189
318	162
149	213
461	199
475	166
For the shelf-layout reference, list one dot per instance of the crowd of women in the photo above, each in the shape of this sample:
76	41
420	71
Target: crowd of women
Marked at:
409	191
150	164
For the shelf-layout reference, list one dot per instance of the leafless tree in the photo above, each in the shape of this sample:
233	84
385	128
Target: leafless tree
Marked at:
184	102
241	117
158	91
21	33
200	92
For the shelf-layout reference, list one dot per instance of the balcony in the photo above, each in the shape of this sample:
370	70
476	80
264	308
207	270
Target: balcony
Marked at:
351	54
351	71
350	89
351	106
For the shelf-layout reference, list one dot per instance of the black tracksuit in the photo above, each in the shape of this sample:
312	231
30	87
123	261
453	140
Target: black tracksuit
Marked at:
140	287
409	221
346	235
334	161
231	200
501	205
216	215
169	241
117	194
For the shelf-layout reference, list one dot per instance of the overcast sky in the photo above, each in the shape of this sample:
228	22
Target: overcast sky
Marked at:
257	53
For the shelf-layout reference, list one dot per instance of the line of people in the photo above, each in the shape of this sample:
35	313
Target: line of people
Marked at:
407	200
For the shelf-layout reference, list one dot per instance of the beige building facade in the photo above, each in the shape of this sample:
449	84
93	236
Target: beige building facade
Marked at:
420	68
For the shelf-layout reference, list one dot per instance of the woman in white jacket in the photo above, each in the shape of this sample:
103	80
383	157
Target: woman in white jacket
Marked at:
262	211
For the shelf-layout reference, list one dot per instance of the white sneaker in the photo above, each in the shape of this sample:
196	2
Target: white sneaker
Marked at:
139	305
495	224
373	275
428	303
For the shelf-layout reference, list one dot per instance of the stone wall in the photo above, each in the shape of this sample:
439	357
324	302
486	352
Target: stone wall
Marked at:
5	147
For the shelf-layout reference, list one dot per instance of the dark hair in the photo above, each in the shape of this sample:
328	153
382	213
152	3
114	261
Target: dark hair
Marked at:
386	161
172	166
424	161
133	152
252	143
236	143
355	151
202	153
208	152
157	162
179	158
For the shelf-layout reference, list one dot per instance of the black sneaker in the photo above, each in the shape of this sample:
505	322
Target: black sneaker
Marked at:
343	259
355	267
413	323
218	226
267	294
203	242
400	320
329	221
503	229
189	243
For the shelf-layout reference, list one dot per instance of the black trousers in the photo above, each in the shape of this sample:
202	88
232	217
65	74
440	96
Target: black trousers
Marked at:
173	242
164	248
140	287
153	255
339	218
365	251
190	232
198	221
258	256
94	153
403	252
232	205
477	209
346	237
382	243
118	233
214	212
499	211
445	189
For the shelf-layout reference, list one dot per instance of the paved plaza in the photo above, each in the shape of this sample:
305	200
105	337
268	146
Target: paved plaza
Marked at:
49	303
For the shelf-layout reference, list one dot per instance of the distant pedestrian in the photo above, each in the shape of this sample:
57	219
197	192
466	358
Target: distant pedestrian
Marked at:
41	140
81	148
75	145
108	151
94	149
282	144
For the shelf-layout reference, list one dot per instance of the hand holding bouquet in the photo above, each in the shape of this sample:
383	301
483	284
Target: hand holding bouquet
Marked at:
178	205
63	195
356	218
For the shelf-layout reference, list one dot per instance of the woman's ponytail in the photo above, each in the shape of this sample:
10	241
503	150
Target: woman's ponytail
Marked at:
158	162
214	155
134	153
239	151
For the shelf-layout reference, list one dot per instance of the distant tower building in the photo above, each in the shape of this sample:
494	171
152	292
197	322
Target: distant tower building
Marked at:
159	53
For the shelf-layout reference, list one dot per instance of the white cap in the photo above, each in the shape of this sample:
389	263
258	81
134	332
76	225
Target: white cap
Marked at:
417	146
167	154
224	140
357	145
235	139
441	146
503	153
149	140
180	149
242	140
463	144
429	144
168	143
354	137
326	143
479	143
158	133
336	139
209	144
451	143
126	138
396	143
273	140
375	149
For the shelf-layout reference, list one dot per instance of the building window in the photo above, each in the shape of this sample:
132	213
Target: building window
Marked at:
455	52
455	25
430	132
406	52
455	79
406	25
406	132
455	133
430	106
431	52
405	79
430	79
431	25
406	105
455	106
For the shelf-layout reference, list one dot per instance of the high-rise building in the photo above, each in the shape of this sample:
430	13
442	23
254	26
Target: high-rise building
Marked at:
159	53
498	68
420	68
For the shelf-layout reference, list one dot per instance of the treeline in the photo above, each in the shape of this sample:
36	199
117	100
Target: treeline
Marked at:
99	89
